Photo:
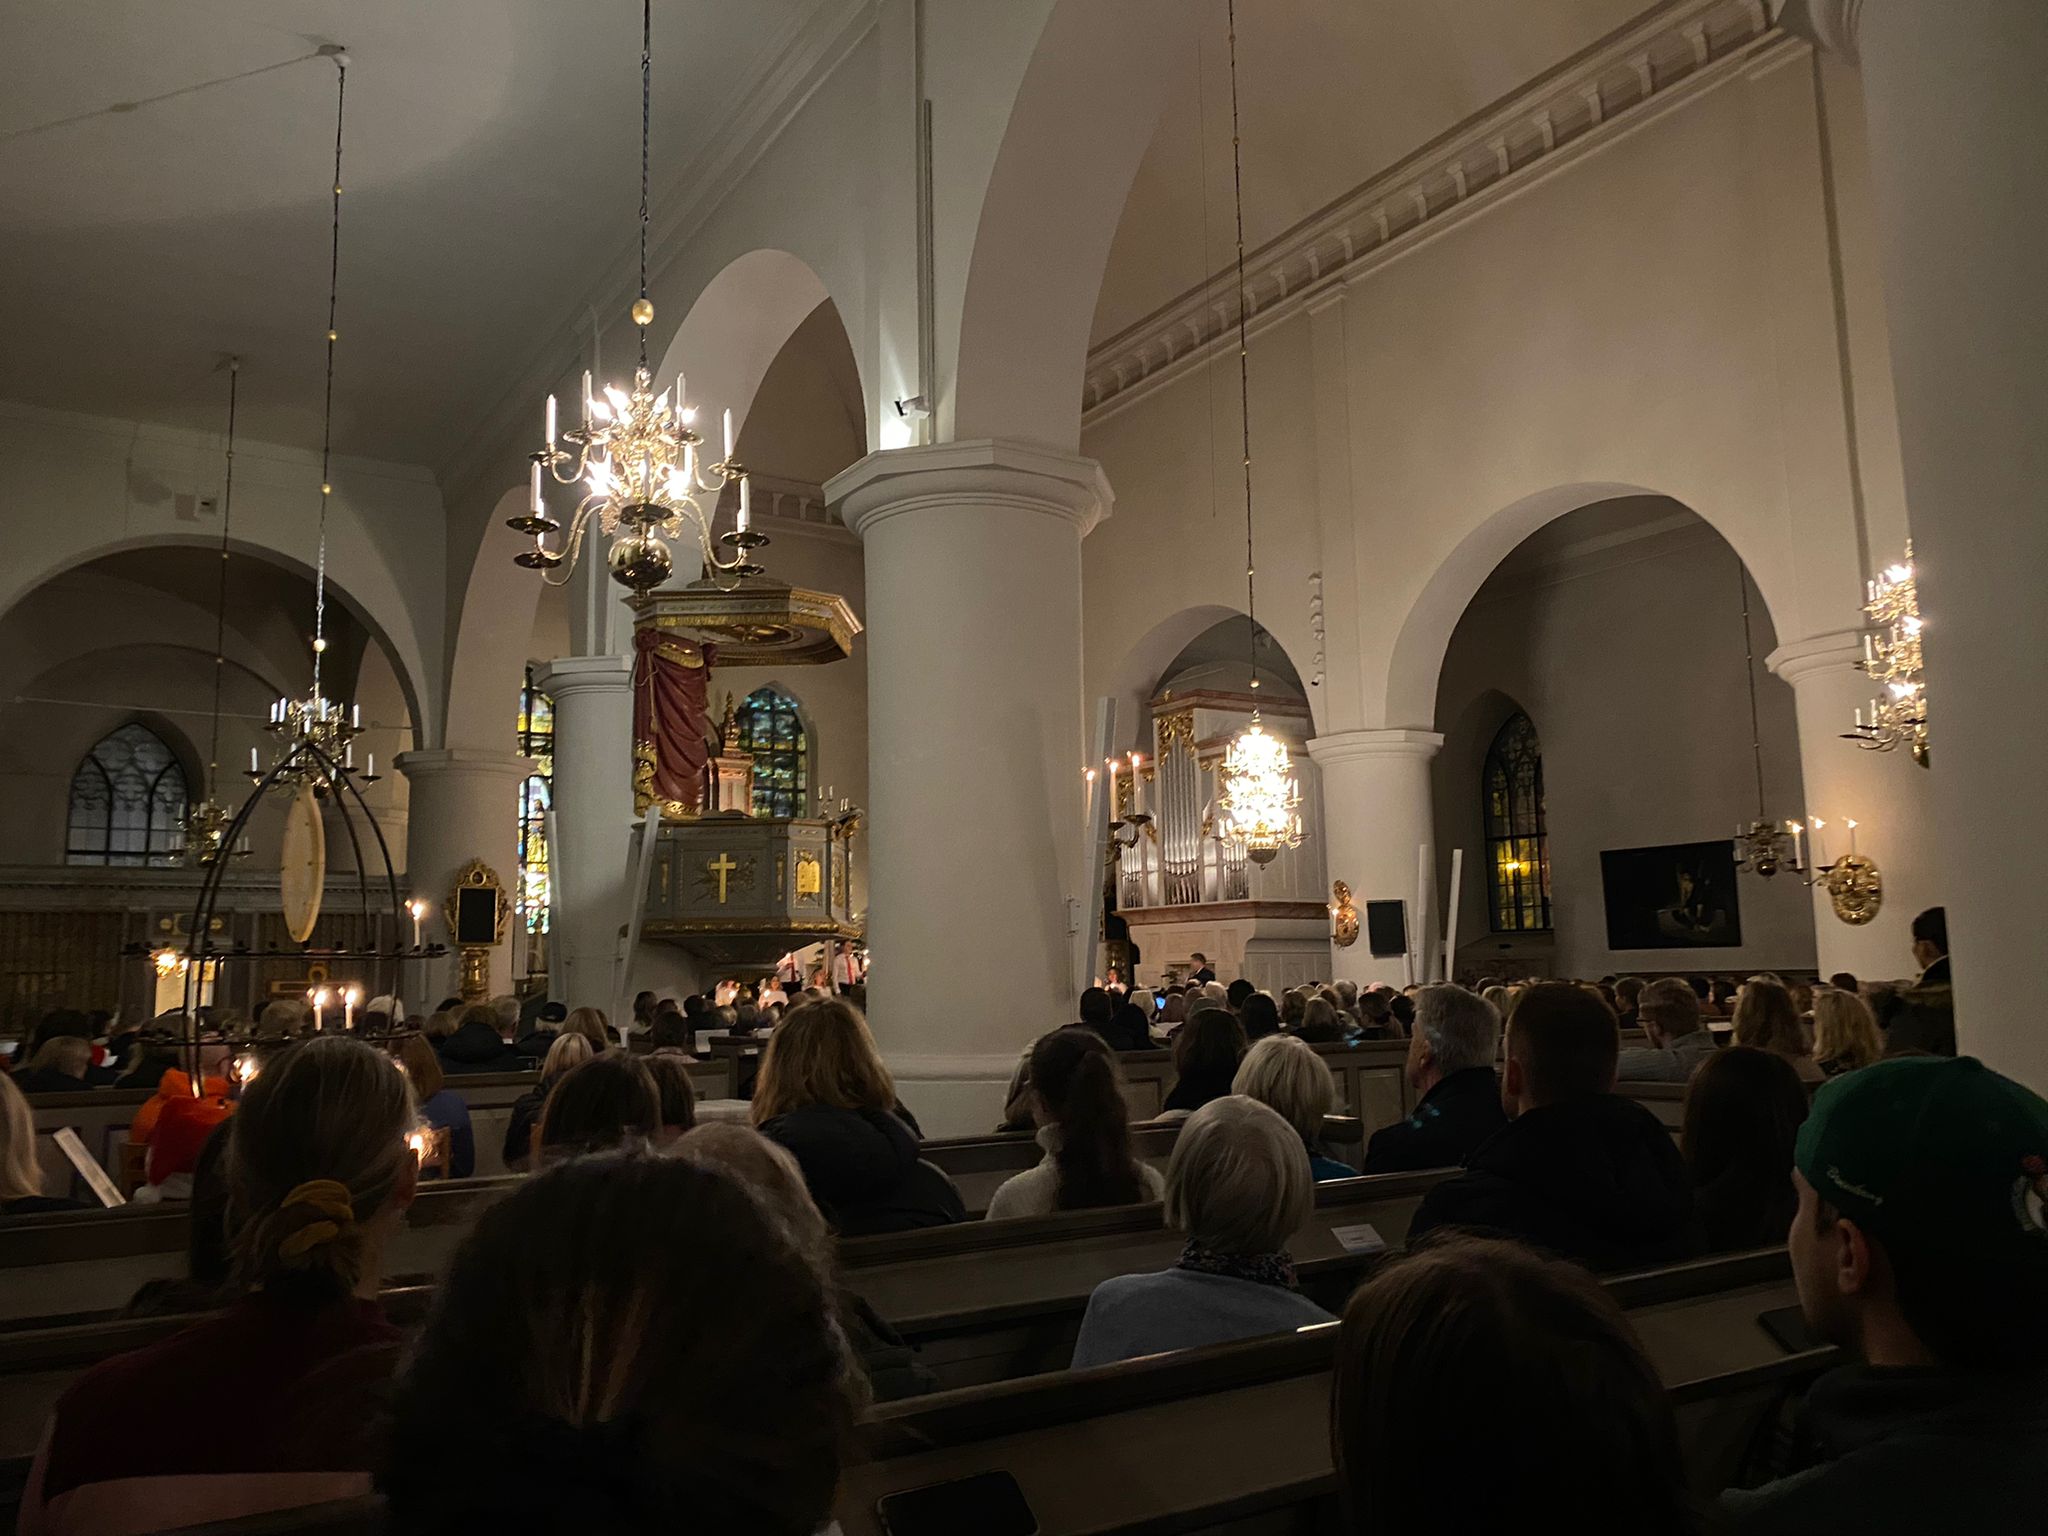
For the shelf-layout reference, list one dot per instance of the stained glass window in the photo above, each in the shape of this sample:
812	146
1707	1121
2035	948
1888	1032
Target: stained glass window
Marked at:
537	741
1517	839
771	729
126	801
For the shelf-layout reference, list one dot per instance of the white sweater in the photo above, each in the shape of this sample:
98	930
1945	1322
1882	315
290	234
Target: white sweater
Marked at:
1036	1191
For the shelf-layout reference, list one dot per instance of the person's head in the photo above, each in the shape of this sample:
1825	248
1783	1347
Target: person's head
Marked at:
1130	1022
821	1054
1844	1029
1668	1009
1289	1078
677	1093
1455	1031
1628	992
770	1172
439	1025
694	1004
643	1007
1077	1090
281	1020
1237	1182
422	1067
590	1024
1176	1009
1348	995
1844	981
1237	992
1260	1016
1376	1011
505	1013
1930	936
611	1100
1096	1007
1743	1110
1476	1382
1319	1021
725	1018
1767	1018
1562	1044
670	1031
1922	1229
1499	996
59	1022
585	1367
1209	1045
319	1172
1201	961
21	1171
564	1056
1402	1006
1292	1002
68	1054
1145	1001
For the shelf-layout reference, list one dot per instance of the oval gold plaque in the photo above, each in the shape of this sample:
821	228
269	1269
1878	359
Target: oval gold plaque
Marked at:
302	866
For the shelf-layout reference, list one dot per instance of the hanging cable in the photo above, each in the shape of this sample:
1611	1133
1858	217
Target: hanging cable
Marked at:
1756	742
646	133
327	407
220	623
1244	388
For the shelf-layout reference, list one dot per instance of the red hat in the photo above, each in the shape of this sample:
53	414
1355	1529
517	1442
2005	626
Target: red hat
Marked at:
181	1130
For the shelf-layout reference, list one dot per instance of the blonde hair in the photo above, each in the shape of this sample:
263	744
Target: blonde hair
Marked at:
590	1024
439	1026
69	1054
21	1171
1289	1078
422	1066
1844	1029
318	1147
821	1053
1237	1182
1766	1018
565	1055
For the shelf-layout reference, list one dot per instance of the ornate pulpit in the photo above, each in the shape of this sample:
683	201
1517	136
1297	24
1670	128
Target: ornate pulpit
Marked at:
742	891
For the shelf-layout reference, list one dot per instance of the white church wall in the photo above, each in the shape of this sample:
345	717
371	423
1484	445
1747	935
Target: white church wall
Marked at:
1630	667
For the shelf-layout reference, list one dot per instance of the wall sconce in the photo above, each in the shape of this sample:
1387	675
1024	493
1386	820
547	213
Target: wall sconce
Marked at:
1854	883
1343	916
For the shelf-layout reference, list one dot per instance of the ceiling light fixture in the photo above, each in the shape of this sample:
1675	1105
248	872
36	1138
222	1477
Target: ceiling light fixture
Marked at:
635	453
1258	797
1891	655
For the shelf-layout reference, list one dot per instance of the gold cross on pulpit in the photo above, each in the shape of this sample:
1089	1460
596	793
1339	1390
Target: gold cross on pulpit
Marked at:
722	866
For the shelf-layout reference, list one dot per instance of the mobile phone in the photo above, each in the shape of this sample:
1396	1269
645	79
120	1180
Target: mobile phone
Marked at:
988	1504
1159	1005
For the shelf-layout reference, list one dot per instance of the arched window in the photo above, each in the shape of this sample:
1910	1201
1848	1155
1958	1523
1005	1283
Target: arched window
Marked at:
127	798
771	729
1517	841
537	741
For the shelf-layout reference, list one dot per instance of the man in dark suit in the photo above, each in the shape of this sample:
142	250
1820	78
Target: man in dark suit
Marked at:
1450	1065
1922	1017
1204	972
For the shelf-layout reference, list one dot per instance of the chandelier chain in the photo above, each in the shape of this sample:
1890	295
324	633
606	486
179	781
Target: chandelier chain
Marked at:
646	133
1244	390
220	621
1756	742
327	406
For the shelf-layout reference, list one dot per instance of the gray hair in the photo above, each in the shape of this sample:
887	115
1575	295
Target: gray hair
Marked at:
506	1006
1670	1004
69	1054
1238	1181
1289	1078
1462	1030
1347	993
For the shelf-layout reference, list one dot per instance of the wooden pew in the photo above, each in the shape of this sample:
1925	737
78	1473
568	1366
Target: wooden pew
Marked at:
1236	1437
1210	1438
1664	1100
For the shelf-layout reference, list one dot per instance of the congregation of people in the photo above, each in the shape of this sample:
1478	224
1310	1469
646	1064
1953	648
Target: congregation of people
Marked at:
650	1332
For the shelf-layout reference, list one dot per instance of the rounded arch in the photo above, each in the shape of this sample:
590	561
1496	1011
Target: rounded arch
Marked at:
494	633
778	730
128	790
1407	695
400	645
1136	676
1086	108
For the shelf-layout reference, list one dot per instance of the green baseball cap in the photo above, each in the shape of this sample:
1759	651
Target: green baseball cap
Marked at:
1933	1151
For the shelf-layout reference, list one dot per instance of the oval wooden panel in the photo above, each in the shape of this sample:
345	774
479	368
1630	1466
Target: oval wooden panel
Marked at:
302	866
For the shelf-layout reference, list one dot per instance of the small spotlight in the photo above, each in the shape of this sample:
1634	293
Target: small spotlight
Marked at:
916	408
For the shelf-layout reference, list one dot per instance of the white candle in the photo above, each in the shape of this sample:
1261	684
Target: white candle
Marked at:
679	394
533	501
1820	843
586	399
1138	782
417	907
252	761
1852	838
1798	844
355	719
348	1008
371	771
728	434
551	421
746	511
319	1005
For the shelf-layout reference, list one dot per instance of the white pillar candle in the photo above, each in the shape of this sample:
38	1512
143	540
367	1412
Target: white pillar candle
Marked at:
586	398
551	421
728	434
746	509
252	761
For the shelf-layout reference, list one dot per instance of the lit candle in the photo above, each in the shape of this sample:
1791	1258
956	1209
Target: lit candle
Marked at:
1798	844
551	424
1137	782
319	996
1820	843
418	909
1852	838
348	1006
586	399
728	434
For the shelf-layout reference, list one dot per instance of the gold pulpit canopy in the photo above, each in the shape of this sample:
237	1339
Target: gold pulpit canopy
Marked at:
760	622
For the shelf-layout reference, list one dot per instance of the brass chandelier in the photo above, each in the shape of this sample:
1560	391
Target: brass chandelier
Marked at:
1891	655
635	455
1259	800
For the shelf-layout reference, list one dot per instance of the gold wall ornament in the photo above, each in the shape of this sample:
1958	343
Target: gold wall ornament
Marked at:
810	876
1855	888
1343	916
477	913
1176	726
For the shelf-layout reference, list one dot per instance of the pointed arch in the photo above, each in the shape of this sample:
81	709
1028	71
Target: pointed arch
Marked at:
772	729
128	798
1517	829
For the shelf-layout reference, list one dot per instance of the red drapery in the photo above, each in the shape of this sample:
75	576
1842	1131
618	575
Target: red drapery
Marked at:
671	682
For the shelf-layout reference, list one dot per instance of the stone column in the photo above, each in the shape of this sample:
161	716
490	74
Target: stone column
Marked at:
593	804
464	805
1377	811
1886	792
975	754
1958	126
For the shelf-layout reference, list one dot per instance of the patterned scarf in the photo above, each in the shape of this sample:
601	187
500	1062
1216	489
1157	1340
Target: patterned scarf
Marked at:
1264	1268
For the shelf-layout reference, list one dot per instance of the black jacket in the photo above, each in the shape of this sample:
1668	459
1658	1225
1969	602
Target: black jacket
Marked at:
476	1047
1194	1089
49	1080
1596	1179
1910	1451
863	1170
1455	1118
